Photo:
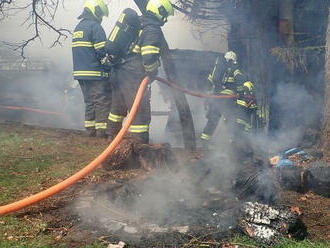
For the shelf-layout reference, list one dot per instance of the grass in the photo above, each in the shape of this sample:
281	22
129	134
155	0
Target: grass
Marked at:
23	233
19	159
31	233
286	243
30	161
245	241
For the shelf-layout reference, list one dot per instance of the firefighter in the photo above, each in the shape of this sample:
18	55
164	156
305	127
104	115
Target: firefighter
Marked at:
227	79
142	60
89	48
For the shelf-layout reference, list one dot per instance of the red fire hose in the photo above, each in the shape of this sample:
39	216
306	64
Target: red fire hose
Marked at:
193	93
171	84
33	110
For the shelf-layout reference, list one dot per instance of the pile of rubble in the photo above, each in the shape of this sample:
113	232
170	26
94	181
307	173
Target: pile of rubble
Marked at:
296	170
268	224
197	200
174	203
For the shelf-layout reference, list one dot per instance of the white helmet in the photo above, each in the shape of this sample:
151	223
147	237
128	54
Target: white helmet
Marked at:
231	56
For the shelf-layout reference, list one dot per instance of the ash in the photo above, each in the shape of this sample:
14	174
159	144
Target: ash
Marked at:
267	223
196	200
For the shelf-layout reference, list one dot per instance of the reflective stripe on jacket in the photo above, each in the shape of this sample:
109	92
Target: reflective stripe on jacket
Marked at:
88	48
245	91
149	43
224	77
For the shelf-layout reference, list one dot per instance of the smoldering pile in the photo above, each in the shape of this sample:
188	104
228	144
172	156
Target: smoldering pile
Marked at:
149	210
195	199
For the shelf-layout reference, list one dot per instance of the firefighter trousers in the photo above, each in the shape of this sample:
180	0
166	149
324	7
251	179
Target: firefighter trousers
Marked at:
238	116
97	99
124	88
217	107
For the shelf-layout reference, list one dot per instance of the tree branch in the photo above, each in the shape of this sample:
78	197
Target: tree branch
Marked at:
42	14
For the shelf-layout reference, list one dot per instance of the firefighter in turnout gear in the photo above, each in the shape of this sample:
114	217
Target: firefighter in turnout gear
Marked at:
142	59
89	48
227	79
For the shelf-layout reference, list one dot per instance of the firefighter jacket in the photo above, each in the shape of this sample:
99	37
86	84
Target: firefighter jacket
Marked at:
149	43
88	49
226	78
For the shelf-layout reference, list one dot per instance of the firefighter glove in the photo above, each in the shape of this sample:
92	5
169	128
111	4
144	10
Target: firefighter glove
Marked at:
152	75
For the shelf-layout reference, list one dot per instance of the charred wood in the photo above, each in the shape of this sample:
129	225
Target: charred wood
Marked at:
187	124
133	154
262	184
267	224
302	180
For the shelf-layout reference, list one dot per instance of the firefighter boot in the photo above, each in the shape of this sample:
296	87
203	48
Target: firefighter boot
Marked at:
90	132
205	144
113	129
101	133
140	137
144	137
205	140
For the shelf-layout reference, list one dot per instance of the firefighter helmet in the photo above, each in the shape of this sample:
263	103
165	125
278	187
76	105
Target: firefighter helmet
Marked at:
231	56
160	8
98	8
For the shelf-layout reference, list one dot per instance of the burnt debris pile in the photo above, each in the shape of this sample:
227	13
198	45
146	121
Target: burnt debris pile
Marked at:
131	153
316	178
205	198
268	224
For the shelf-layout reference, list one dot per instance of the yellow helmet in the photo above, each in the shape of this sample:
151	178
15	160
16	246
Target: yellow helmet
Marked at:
160	8
98	8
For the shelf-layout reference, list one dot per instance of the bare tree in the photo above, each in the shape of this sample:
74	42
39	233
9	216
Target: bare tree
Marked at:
41	13
3	3
211	10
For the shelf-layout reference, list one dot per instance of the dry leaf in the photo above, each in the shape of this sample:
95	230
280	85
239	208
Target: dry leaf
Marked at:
58	237
296	209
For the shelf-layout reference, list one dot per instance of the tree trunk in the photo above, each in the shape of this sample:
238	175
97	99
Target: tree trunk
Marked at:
326	115
182	105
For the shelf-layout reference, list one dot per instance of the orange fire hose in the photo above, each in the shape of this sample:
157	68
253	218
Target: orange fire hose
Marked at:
12	207
15	206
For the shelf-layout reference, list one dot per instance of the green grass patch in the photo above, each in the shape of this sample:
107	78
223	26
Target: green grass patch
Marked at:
289	243
245	241
24	233
31	233
22	175
27	164
28	244
10	139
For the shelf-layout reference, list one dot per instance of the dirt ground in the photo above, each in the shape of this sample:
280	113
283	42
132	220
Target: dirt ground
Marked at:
65	227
